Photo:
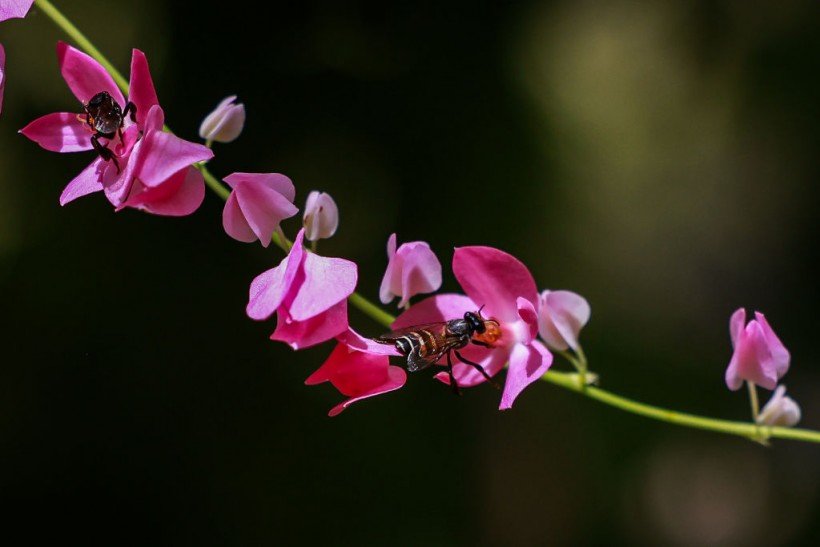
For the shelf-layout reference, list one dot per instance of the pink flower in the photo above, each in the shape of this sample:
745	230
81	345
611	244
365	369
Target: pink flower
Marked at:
780	410
308	293
2	74
561	315
149	168
257	204
321	218
359	368
10	9
225	123
759	356
503	285
411	270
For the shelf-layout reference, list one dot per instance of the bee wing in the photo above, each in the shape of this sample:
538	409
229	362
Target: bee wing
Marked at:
393	335
416	362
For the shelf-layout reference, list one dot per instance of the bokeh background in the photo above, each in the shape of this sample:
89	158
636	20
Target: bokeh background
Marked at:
659	158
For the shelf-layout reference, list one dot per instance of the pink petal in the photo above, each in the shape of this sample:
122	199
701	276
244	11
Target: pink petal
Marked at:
2	69
327	282
390	280
779	355
356	341
276	181
269	289
317	329
87	182
60	132
85	76
180	195
561	316
234	222
421	271
494	279
165	154
736	324
747	363
358	375
263	209
441	307
527	364
141	90
10	9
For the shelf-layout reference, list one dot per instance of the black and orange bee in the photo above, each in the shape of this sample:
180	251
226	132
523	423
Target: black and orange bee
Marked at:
424	345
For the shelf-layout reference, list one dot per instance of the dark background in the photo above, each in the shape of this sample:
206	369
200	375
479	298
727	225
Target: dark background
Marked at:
658	158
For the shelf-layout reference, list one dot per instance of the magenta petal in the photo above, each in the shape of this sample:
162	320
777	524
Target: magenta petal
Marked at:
356	341
357	375
491	360
166	154
10	9
2	71
87	182
441	307
141	91
421	272
527	364
317	329
746	363
527	313
327	282
59	132
180	195
85	76
234	223
494	279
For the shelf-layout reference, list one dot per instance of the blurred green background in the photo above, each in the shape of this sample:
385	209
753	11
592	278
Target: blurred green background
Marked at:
658	158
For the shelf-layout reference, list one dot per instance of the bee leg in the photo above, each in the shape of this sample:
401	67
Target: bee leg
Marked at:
104	152
453	382
130	108
479	368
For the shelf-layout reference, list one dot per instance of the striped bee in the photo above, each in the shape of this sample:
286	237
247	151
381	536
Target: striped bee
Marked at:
424	345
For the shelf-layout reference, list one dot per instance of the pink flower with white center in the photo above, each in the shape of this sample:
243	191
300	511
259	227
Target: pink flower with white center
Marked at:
561	316
308	293
506	290
359	368
225	123
149	169
10	9
412	269
759	356
321	216
2	74
257	204
780	410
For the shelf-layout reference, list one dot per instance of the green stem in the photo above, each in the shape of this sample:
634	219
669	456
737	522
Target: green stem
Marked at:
753	400
375	312
74	33
572	382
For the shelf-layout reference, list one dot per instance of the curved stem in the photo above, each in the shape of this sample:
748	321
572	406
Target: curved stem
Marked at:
572	381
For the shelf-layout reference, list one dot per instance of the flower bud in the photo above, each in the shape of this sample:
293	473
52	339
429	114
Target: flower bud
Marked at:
759	356
225	123
321	216
780	410
411	270
561	315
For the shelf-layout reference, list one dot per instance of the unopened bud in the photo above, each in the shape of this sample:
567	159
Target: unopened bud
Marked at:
321	216
780	410
225	123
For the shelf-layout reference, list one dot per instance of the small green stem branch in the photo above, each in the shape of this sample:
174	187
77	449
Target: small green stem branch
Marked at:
572	381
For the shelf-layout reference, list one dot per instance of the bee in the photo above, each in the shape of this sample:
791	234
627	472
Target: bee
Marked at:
105	117
424	345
